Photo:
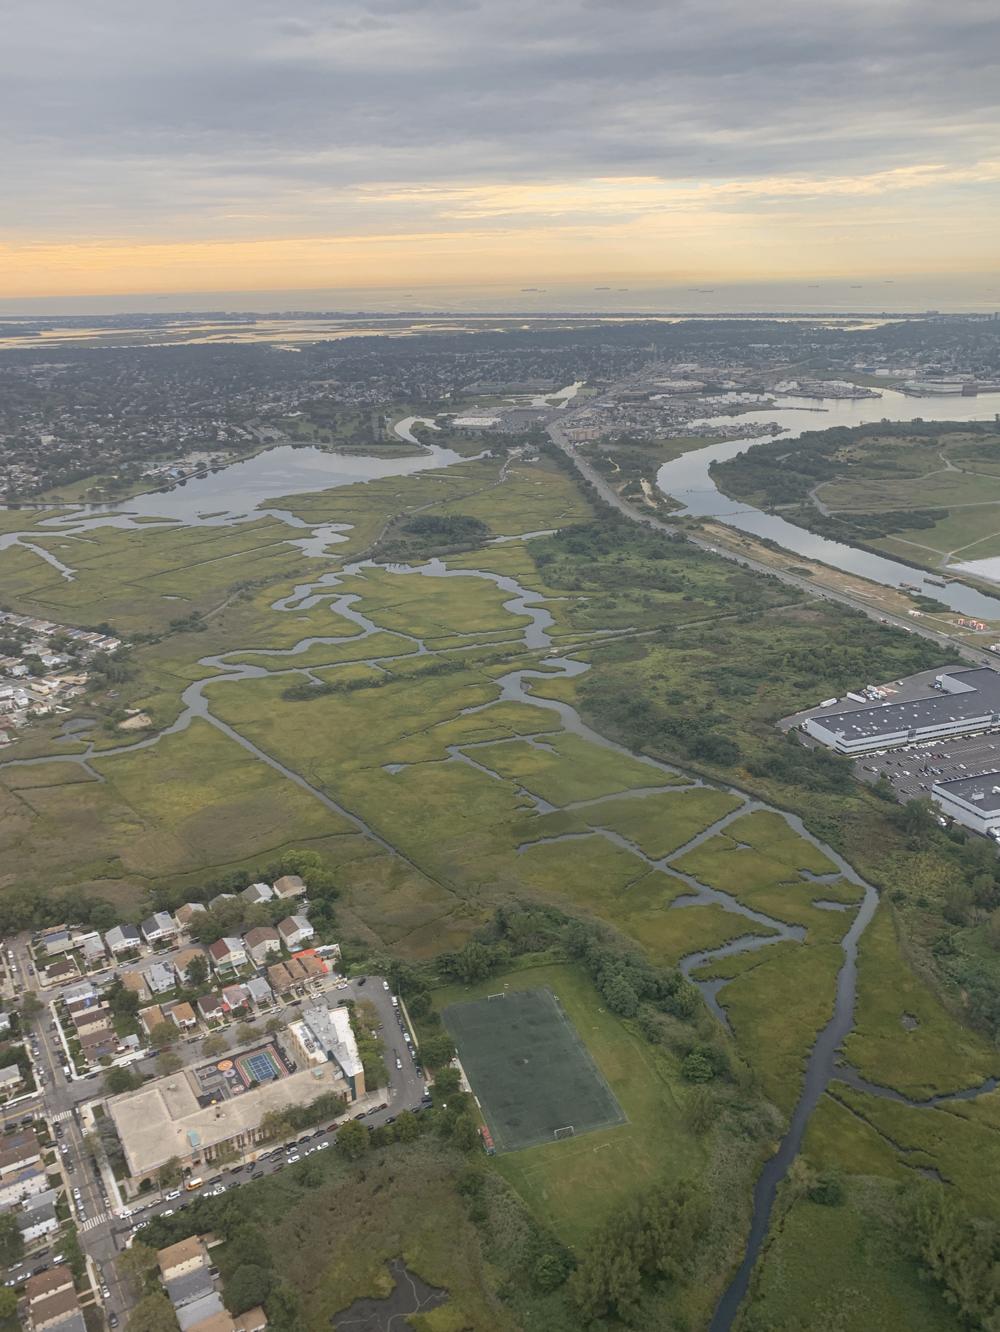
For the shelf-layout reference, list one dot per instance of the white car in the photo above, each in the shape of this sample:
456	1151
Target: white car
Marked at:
321	1147
174	1193
292	1158
399	1062
167	1211
385	985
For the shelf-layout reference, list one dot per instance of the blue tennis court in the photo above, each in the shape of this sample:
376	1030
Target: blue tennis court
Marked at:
260	1066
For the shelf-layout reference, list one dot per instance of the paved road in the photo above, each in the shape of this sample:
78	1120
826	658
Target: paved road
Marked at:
611	496
102	1232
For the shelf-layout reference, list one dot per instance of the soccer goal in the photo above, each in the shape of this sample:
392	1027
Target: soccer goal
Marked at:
502	995
566	1132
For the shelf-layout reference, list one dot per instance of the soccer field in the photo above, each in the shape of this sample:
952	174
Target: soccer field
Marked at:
530	1070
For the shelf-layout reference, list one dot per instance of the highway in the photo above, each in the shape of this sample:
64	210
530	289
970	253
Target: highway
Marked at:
611	496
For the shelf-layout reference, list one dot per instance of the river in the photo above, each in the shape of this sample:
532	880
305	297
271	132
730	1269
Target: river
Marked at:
688	480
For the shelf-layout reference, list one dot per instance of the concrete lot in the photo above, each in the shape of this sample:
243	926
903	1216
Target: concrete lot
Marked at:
914	770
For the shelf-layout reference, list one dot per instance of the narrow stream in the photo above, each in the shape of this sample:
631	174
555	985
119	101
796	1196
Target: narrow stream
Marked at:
517	686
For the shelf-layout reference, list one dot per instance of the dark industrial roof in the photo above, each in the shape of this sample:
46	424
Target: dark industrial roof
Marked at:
978	696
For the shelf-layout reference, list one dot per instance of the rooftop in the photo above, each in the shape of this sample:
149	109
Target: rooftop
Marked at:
977	691
982	790
163	1119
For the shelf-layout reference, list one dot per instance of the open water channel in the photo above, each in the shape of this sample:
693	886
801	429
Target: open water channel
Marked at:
688	479
227	498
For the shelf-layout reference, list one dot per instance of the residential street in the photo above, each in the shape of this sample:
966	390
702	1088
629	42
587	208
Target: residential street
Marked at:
102	1229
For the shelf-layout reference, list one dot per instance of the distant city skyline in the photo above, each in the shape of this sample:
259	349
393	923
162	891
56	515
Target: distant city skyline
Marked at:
406	146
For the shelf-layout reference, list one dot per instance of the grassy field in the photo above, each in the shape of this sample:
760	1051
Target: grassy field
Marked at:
575	1182
843	1269
903	1037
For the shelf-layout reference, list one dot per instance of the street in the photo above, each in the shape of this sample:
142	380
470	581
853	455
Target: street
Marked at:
102	1226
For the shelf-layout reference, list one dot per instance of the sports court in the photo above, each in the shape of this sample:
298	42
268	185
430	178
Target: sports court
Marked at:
532	1074
259	1066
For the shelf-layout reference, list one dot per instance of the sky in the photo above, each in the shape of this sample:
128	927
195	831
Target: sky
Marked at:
214	145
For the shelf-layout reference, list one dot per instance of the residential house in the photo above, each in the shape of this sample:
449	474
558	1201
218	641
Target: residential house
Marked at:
151	1018
43	1285
123	939
186	913
290	885
4	1022
80	996
259	991
219	898
58	1313
257	892
37	1216
98	1045
93	1019
158	927
183	1015
227	954
234	998
18	1150
11	1079
279	978
60	972
57	941
16	1185
135	982
261	942
295	931
177	1260
183	959
160	978
210	1007
94	953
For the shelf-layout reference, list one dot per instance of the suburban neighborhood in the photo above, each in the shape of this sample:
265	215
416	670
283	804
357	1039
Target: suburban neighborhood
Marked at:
146	1065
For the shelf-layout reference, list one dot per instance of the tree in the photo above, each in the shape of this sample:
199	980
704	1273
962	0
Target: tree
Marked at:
168	1062
197	971
447	1082
169	1173
137	1262
245	1033
247	1288
164	1034
407	1126
8	1303
437	1050
465	1133
118	1080
352	1140
273	1025
11	1240
31	1008
155	1313
214	1044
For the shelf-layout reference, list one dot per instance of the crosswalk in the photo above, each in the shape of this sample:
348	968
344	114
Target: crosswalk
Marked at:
61	1117
92	1222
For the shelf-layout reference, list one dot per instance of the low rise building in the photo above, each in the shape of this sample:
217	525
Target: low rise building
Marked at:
185	914
166	1117
290	885
183	959
295	931
326	1034
123	939
261	942
227	954
257	892
158	927
11	1080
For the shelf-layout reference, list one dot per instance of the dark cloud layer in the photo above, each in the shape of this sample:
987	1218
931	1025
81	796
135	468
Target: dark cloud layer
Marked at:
216	115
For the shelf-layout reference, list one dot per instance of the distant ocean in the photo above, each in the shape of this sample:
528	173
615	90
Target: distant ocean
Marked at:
976	294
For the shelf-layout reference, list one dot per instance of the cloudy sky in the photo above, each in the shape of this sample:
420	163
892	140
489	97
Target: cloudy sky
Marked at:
258	144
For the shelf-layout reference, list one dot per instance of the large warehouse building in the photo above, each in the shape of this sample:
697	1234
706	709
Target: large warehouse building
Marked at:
960	701
972	801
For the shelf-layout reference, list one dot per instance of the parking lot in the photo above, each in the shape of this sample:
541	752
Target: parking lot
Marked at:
914	769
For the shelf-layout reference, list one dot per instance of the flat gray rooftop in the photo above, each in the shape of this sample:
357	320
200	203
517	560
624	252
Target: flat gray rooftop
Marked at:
982	791
980	693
